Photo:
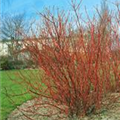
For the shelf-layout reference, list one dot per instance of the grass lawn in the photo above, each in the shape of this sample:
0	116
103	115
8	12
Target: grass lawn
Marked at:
8	104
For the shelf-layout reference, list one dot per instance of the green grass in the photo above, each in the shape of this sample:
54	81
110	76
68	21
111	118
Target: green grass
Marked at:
7	106
8	102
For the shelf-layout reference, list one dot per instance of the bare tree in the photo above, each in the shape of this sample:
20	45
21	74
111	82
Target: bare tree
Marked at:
104	15
12	29
3	3
13	26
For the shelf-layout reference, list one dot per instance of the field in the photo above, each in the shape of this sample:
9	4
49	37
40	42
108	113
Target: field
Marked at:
11	101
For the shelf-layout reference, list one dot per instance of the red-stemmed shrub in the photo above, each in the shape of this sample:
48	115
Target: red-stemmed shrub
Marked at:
79	59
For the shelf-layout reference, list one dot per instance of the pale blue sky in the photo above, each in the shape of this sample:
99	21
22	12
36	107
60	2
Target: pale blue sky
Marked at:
32	6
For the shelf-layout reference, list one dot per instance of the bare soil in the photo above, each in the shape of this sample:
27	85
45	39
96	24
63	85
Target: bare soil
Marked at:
33	110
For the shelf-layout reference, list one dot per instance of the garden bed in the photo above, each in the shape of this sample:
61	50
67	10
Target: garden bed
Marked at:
31	110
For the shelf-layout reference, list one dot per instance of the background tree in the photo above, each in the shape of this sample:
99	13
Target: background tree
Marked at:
104	16
12	29
13	26
2	4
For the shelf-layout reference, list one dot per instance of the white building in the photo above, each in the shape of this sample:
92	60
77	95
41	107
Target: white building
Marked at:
7	49
3	49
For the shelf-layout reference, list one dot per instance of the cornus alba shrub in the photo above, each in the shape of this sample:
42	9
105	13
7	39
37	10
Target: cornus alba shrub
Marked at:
80	60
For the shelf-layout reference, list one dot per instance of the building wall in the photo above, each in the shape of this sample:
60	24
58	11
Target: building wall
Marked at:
3	49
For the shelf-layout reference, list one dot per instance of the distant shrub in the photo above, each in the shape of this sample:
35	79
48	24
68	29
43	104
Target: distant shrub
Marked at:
4	63
7	64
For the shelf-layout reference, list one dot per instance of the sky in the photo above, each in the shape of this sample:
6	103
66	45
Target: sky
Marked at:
31	7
